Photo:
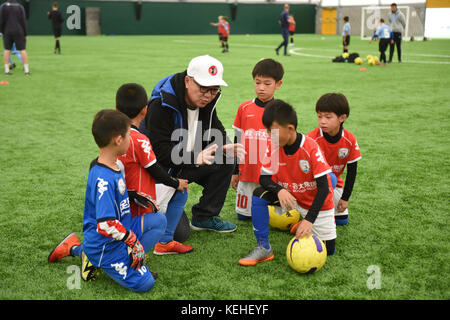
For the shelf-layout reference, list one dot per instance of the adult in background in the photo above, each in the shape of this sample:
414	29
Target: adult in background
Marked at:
190	141
398	24
284	22
13	25
56	17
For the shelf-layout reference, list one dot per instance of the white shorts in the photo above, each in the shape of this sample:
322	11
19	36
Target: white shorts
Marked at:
163	195
244	194
336	197
324	227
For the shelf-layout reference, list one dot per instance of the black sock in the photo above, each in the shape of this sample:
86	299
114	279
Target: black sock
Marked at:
331	246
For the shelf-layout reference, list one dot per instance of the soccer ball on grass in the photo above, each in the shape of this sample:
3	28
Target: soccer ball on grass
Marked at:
307	254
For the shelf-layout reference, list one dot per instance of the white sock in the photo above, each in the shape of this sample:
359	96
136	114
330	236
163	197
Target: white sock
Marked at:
25	66
6	68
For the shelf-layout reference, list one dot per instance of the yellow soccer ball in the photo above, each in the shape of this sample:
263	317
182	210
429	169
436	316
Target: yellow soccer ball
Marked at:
375	59
283	221
359	61
369	57
371	62
345	55
307	254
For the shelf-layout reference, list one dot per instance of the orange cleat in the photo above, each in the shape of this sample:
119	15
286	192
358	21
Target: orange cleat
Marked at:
294	227
173	247
259	254
62	250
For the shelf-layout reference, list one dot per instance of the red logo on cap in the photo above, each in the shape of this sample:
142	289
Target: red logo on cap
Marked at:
212	70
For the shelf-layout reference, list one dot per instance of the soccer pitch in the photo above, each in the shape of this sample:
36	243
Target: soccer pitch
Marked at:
394	247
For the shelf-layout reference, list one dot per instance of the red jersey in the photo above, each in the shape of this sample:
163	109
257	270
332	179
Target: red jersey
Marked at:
223	28
291	27
138	157
338	154
297	172
254	137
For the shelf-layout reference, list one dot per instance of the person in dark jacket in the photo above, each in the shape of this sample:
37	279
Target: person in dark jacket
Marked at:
13	26
56	17
190	141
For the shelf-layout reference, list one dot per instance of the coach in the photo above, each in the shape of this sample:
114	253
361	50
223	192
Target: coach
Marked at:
284	22
398	24
190	141
13	25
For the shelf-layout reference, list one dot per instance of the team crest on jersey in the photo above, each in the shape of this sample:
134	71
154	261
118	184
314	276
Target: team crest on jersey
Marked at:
304	165
342	153
122	186
212	70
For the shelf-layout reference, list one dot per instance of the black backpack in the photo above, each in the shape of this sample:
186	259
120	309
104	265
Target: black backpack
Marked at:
338	59
352	57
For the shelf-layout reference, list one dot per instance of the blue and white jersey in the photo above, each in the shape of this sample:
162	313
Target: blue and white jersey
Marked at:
106	199
346	29
383	32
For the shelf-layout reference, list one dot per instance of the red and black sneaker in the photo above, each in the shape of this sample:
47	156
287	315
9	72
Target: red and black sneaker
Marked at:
62	250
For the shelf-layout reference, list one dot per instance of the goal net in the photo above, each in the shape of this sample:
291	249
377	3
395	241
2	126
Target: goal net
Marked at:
370	20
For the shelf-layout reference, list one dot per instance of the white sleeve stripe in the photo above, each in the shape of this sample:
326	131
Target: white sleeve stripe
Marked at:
354	160
150	164
322	174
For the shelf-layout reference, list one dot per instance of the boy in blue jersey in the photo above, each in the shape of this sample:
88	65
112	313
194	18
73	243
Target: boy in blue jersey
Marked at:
346	34
385	35
109	241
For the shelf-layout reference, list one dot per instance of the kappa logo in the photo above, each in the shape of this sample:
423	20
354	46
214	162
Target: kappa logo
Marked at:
101	186
212	70
121	268
146	147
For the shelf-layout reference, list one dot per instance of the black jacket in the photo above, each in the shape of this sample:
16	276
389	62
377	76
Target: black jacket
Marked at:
12	19
167	112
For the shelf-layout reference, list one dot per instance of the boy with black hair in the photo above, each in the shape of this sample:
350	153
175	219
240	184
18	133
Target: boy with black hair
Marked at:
339	146
109	240
57	20
142	170
294	176
346	34
249	129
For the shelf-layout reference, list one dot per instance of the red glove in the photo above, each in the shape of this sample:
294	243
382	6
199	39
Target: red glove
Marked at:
135	250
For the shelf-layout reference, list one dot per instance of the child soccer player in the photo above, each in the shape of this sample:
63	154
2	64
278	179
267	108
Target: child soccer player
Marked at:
249	129
223	29
346	34
294	176
385	35
57	20
291	21
141	170
339	147
109	240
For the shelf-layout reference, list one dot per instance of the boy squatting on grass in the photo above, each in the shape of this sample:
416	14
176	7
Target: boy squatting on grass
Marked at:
250	131
113	239
302	182
339	146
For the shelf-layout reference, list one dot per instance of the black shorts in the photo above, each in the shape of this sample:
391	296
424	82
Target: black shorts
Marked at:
383	44
291	33
57	32
346	42
18	39
223	38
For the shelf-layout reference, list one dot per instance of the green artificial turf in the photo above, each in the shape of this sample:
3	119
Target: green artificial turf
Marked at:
398	210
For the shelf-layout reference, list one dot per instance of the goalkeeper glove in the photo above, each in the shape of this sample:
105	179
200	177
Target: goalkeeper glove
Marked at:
142	199
135	250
